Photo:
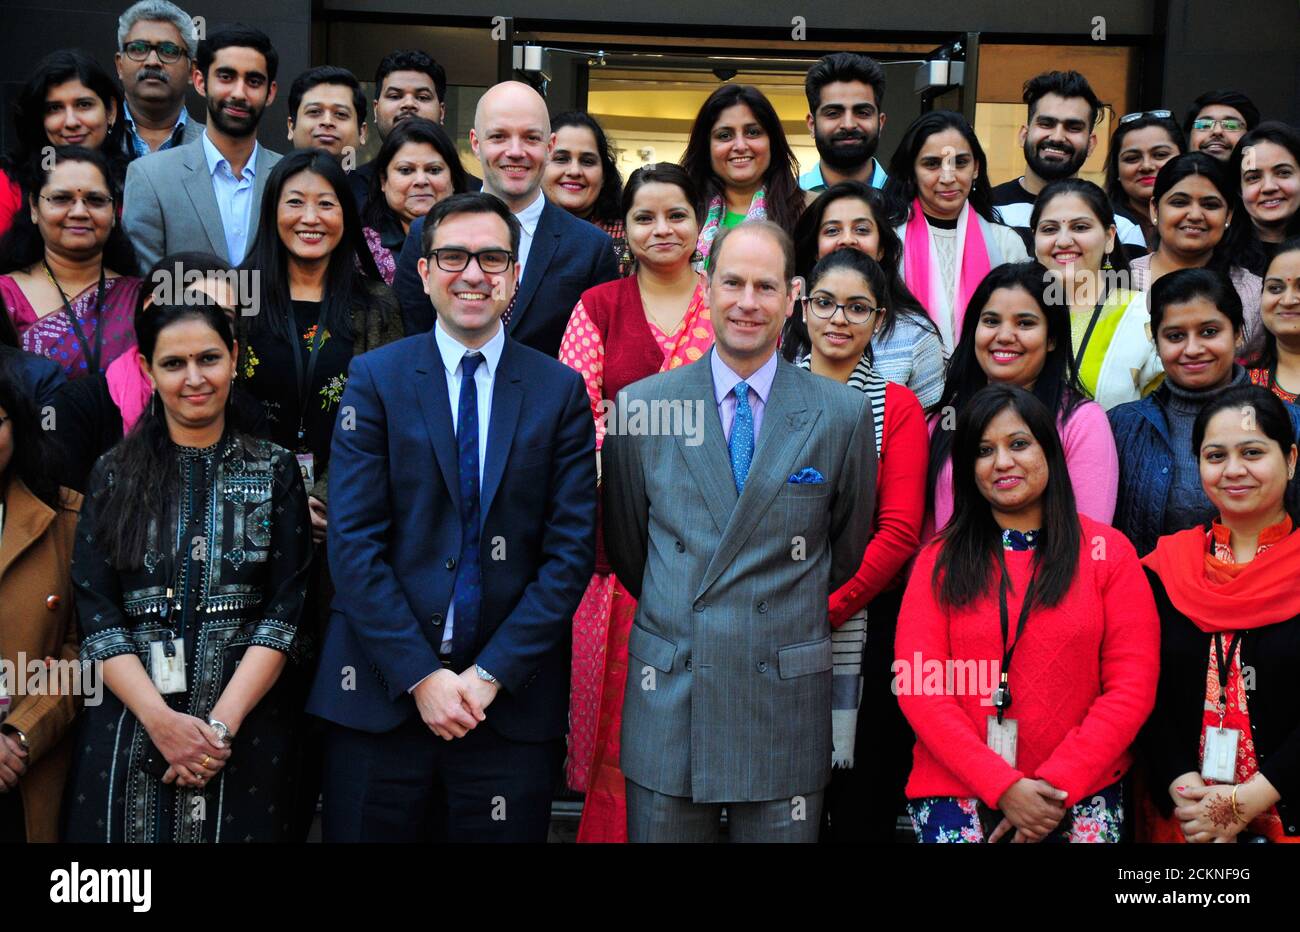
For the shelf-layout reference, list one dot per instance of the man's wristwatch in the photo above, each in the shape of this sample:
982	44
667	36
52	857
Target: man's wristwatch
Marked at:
485	675
222	730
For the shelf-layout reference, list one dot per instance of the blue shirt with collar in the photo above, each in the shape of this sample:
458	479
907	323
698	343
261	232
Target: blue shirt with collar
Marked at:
812	179
234	197
137	147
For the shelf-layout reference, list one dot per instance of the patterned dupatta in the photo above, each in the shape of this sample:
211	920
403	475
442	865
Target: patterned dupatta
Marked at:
693	337
713	221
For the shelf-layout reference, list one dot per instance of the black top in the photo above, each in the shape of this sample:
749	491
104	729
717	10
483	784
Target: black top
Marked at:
1170	741
272	377
87	424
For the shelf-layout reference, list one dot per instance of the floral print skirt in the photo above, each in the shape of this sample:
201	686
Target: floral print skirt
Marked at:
1099	819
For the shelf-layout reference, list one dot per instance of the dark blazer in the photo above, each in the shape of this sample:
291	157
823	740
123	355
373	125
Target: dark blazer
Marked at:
395	535
1169	743
37	377
567	257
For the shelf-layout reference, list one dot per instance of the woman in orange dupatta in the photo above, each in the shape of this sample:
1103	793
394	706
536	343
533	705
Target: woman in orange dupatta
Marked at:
621	332
1222	747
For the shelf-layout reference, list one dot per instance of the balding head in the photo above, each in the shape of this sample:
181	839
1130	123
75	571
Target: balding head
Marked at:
512	138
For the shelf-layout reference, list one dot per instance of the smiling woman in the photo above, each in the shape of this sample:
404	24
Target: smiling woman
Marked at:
583	178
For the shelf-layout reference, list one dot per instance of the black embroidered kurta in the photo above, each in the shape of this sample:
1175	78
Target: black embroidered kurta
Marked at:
235	546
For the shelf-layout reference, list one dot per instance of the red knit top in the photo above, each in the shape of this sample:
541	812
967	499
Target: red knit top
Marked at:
1082	681
900	505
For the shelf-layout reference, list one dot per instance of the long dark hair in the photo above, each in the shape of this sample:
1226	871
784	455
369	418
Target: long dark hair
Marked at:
1231	248
54	69
1251	253
1115	190
1266	356
1097	202
142	468
606	207
901	189
33	457
413	129
23	247
344	283
897	297
972	540
785	199
1057	386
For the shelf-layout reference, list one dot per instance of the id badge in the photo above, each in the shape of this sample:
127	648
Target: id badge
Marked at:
4	697
307	466
1220	761
168	672
1002	738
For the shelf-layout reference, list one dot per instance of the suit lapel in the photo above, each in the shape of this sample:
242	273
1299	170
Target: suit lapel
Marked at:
787	422
26	517
507	398
709	462
435	406
198	185
546	240
262	168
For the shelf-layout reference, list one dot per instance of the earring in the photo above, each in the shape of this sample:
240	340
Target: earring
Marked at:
697	257
1106	266
153	404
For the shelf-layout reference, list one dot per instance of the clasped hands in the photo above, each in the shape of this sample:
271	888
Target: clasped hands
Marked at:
453	704
1033	808
1206	814
193	751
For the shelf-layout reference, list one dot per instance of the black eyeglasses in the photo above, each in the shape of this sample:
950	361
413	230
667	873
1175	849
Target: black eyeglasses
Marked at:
168	52
1154	114
491	261
62	200
855	312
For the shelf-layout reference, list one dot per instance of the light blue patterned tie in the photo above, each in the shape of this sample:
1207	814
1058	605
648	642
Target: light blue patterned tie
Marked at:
742	437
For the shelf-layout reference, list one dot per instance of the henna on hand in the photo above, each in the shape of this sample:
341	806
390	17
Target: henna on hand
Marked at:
1219	809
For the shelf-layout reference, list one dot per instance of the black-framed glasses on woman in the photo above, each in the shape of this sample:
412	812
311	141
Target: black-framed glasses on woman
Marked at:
168	52
491	261
855	312
1154	114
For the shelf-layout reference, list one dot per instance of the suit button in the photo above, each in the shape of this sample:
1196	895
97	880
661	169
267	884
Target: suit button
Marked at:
762	607
762	666
681	548
437	619
688	664
451	563
699	605
52	602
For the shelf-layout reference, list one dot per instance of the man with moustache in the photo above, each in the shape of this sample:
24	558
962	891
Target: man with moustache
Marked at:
560	256
156	46
327	110
1216	120
1057	139
845	92
462	533
206	197
730	547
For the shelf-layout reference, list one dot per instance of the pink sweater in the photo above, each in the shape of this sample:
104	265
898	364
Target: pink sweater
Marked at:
1082	681
1089	455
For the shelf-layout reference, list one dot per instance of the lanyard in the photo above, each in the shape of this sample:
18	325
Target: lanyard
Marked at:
314	346
92	357
1225	668
1087	334
1002	695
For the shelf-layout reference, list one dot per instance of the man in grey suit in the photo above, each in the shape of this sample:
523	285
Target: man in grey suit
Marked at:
730	537
205	197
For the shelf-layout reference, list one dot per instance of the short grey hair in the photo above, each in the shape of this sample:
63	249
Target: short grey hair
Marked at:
164	11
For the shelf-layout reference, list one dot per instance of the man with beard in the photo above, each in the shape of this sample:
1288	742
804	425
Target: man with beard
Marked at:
845	93
1216	120
156	45
205	197
1057	139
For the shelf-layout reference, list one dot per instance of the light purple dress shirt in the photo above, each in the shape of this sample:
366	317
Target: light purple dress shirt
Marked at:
724	384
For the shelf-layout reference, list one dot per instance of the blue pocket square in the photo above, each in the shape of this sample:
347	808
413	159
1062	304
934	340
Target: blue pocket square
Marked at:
807	474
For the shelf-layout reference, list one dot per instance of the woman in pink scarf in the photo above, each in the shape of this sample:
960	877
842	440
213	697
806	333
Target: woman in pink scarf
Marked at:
951	233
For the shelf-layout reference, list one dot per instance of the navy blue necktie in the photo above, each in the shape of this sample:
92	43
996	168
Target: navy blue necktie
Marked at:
468	593
742	437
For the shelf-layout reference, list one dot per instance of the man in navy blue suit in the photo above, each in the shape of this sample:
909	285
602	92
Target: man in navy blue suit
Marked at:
462	535
560	256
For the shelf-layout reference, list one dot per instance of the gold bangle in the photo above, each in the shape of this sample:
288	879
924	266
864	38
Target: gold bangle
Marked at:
1236	813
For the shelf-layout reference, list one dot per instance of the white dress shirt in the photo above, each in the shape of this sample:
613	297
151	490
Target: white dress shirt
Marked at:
528	218
451	351
234	198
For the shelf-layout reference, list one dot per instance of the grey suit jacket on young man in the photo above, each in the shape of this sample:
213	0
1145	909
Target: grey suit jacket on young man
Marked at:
169	204
729	679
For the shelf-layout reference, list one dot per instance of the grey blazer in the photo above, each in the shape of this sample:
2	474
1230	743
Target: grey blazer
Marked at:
169	204
729	679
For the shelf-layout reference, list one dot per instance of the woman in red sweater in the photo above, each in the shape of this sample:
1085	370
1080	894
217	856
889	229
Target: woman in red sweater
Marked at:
621	332
1034	749
841	312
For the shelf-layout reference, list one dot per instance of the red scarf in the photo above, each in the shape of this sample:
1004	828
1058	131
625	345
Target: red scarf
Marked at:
1262	592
